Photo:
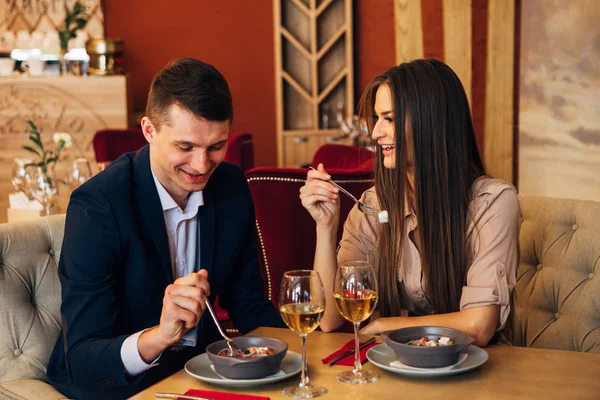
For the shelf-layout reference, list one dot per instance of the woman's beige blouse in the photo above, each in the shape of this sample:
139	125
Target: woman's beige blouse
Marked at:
492	237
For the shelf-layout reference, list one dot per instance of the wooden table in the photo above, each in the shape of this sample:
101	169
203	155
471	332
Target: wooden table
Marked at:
510	373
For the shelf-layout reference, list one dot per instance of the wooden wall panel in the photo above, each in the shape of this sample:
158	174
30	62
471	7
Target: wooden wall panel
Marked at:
476	38
499	104
409	30
457	39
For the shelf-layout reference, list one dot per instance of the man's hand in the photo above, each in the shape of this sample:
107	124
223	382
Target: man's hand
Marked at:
183	305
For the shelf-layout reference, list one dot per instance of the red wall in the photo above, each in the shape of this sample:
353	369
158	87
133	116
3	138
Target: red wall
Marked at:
374	44
236	36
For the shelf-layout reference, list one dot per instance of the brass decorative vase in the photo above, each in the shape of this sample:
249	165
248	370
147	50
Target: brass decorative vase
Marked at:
106	56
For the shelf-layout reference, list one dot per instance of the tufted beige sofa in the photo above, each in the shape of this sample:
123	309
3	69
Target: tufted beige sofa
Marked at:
557	295
29	306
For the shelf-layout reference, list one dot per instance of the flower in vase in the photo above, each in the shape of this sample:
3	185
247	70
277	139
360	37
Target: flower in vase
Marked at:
62	137
46	158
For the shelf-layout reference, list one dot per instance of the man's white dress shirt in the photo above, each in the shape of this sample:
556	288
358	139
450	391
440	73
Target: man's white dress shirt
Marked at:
182	232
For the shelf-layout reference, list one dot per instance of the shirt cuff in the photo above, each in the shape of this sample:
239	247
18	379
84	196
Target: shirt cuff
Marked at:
130	355
190	338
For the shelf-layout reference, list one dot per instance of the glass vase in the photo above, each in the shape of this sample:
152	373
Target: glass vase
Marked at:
62	62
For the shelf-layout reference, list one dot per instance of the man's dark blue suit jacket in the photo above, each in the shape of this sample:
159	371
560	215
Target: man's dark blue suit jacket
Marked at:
115	266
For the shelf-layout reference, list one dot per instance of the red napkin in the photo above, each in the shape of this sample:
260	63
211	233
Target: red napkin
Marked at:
223	395
349	360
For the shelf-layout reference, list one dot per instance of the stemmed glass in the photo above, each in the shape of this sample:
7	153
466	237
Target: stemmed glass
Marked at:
355	293
80	171
302	303
20	175
44	189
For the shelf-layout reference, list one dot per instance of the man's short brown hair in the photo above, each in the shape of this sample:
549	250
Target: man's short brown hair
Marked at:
193	85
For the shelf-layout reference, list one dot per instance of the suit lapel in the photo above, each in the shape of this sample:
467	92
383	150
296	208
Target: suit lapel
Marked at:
151	214
206	233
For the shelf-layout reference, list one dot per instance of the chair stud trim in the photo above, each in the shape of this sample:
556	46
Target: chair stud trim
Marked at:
296	180
273	178
264	254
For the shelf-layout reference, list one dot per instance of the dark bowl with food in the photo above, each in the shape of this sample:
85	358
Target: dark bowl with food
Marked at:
252	365
430	346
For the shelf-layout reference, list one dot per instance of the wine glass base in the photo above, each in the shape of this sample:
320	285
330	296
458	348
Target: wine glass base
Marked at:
357	377
304	392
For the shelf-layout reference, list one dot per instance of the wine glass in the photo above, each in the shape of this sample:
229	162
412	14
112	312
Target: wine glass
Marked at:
79	172
355	293
44	189
20	175
302	303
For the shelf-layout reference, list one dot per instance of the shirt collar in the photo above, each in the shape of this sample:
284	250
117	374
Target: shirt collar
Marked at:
195	200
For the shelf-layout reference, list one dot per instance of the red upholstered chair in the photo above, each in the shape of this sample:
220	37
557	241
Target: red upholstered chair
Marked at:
344	156
110	144
286	231
240	150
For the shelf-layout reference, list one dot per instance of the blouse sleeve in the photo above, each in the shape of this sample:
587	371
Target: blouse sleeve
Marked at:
359	239
492	274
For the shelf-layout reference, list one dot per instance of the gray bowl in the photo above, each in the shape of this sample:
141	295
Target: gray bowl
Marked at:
247	368
426	357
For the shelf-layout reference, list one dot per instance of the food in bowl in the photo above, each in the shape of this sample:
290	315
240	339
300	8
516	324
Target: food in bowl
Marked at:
427	342
426	356
253	367
253	351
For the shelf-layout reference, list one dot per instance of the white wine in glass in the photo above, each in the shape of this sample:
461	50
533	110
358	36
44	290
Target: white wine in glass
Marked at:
355	293
302	303
302	318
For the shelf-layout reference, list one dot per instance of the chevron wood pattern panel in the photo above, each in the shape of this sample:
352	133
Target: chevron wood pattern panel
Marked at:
313	74
45	15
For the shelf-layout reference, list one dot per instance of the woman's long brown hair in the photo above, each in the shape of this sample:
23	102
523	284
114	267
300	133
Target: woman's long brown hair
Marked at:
446	163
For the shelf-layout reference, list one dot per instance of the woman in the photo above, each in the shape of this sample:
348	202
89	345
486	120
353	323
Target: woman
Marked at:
449	253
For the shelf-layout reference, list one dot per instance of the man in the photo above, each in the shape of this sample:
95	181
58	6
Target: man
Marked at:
151	239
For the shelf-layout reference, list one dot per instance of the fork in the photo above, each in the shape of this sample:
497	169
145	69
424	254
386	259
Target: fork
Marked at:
233	350
362	207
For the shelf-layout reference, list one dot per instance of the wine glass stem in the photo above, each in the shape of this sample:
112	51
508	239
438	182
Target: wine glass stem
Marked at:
47	208
304	378
357	364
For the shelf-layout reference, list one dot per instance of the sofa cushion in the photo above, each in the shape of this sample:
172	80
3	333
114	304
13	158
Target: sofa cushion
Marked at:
29	296
557	295
28	389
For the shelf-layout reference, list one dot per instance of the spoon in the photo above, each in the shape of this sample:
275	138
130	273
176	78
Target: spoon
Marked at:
233	350
382	216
